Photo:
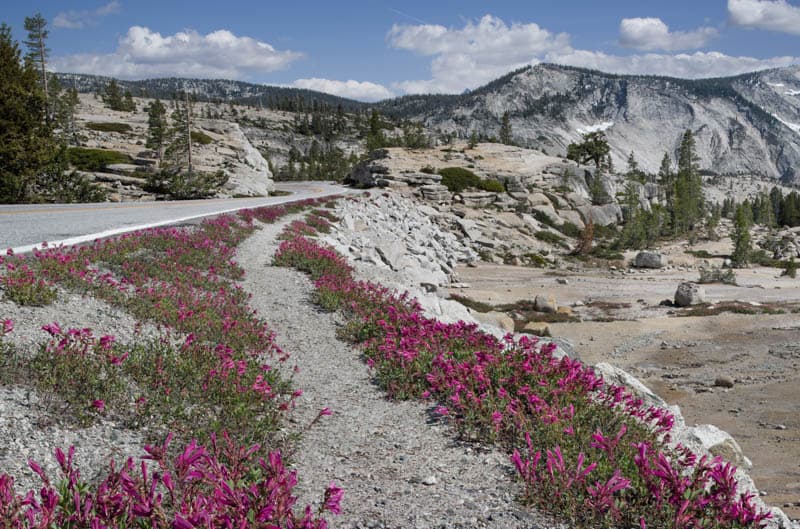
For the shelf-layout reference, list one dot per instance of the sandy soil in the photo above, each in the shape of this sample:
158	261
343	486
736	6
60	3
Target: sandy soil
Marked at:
680	357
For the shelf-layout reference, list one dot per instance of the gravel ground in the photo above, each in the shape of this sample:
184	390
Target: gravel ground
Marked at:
32	427
398	467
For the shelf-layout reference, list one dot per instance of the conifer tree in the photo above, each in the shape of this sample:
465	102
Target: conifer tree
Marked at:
38	52
742	247
506	135
26	142
157	128
112	96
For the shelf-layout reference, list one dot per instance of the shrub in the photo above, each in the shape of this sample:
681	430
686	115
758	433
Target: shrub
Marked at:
201	138
717	275
457	179
491	185
570	229
791	269
109	127
94	159
183	186
550	238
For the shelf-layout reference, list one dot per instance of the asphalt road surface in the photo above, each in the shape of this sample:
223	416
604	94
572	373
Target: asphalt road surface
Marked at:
25	226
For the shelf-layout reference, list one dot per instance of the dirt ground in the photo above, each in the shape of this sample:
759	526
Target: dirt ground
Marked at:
680	357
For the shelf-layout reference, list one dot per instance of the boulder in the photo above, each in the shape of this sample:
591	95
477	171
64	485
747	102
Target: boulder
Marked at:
539	199
497	319
545	304
689	294
470	229
550	213
572	216
605	215
650	260
709	438
478	199
392	253
539	328
435	192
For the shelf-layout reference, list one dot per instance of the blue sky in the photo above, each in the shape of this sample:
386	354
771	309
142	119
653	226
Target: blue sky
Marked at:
374	49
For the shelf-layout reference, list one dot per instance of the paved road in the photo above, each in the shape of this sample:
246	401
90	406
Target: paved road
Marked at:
24	226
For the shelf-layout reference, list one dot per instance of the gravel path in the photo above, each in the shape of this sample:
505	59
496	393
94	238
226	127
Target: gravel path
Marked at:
398	467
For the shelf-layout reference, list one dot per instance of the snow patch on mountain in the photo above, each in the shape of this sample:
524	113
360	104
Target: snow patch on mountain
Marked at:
794	126
597	127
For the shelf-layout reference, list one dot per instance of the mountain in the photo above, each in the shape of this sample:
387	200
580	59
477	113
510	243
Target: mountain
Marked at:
212	89
748	124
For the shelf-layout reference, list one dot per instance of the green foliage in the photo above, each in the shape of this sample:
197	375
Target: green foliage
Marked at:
477	306
109	127
491	185
27	146
685	197
183	185
321	162
457	179
72	187
594	147
114	99
550	238
791	269
201	138
717	275
94	159
506	135
157	128
22	287
742	246
569	229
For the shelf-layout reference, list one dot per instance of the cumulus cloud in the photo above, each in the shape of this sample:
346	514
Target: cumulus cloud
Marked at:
472	55
80	19
468	57
653	34
772	15
361	90
145	53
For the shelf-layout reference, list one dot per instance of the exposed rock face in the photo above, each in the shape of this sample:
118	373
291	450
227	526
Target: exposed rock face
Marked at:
689	294
248	172
649	260
545	304
745	124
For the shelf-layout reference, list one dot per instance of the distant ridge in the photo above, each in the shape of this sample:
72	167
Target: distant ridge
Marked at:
209	90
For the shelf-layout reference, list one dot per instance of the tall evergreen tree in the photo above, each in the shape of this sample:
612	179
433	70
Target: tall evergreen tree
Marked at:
112	96
38	52
26	142
742	247
506	135
157	128
594	148
687	204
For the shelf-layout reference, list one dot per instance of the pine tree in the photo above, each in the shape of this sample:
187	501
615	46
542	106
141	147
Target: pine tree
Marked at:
26	142
38	52
687	203
594	147
505	130
178	151
112	96
127	102
473	140
65	116
742	247
157	128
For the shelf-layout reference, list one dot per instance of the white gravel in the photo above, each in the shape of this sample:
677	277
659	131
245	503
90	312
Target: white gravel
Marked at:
398	467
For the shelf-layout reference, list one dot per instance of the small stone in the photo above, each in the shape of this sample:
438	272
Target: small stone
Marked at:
430	480
562	281
538	328
723	381
780	426
564	310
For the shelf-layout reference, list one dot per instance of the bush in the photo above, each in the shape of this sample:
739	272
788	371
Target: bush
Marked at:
109	127
201	138
550	238
94	159
493	186
717	275
791	269
457	179
184	186
570	230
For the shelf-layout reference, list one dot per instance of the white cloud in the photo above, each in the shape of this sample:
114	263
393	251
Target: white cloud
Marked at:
80	19
654	34
475	54
361	90
772	15
468	57
145	53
